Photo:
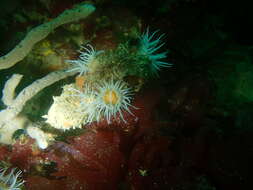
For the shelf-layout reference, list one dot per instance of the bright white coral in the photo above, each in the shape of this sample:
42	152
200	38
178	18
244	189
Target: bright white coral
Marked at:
10	180
149	45
112	98
86	57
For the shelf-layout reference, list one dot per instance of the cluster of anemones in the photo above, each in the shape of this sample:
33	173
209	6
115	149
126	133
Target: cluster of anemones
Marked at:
109	99
76	107
105	101
148	47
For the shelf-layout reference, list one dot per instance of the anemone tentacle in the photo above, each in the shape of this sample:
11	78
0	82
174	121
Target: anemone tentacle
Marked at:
87	103
87	55
112	98
149	45
10	180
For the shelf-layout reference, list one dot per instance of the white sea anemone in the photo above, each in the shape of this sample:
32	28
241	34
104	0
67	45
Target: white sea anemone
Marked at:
87	103
148	47
86	57
112	98
10	180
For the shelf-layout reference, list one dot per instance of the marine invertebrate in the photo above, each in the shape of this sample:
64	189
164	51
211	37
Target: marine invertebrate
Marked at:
10	180
75	108
87	104
42	31
149	45
42	138
64	114
9	117
86	57
112	98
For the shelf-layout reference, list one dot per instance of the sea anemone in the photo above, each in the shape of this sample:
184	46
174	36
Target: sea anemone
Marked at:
87	56
148	47
10	180
87	103
112	98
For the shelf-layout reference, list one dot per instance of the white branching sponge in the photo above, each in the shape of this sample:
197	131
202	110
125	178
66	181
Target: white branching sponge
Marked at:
42	31
9	89
10	121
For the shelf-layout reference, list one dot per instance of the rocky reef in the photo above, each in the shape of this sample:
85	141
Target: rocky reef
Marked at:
123	95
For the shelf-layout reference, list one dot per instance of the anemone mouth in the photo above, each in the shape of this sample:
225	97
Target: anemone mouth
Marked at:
113	98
